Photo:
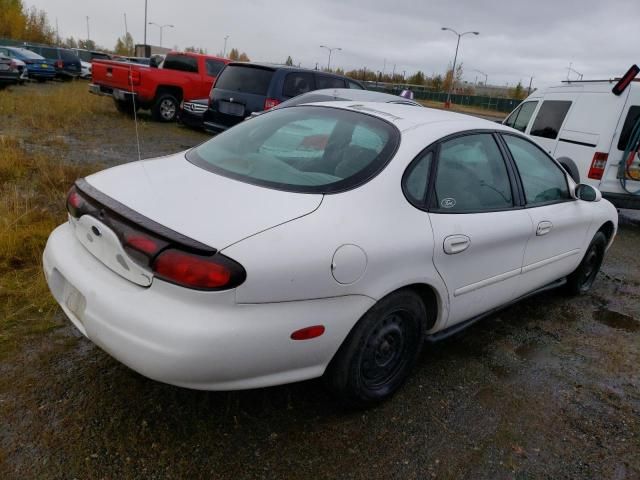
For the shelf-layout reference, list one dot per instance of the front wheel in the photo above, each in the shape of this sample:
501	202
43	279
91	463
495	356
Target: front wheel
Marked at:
582	278
165	108
380	351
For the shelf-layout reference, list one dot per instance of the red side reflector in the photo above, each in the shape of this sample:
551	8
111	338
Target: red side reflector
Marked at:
308	333
270	103
626	79
598	164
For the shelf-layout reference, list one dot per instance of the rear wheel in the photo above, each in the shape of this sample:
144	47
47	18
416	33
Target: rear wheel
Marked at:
581	280
380	351
165	108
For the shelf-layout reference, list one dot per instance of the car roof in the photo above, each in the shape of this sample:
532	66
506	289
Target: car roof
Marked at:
292	68
407	117
357	95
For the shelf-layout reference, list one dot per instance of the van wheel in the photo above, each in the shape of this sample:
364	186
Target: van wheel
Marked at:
582	278
379	352
165	108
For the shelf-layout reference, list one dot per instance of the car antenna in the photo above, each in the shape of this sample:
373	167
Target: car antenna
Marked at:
135	113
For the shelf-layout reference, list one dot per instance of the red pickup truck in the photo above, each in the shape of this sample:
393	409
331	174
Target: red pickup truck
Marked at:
181	76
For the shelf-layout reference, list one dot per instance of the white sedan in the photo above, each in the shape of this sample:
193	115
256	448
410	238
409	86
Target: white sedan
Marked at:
329	239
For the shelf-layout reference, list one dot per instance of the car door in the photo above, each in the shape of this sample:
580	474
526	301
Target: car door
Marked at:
480	230
520	117
549	120
560	222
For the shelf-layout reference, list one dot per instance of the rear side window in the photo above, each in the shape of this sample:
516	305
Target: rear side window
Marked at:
632	119
297	83
301	149
326	81
182	63
543	181
416	179
240	78
472	176
214	67
550	118
520	118
354	85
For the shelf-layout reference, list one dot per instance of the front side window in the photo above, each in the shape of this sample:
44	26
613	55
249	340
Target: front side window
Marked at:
354	85
550	118
297	83
327	81
471	176
182	63
214	67
520	118
543	181
301	149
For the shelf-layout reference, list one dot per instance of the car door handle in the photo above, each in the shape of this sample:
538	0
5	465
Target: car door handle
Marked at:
456	243
544	227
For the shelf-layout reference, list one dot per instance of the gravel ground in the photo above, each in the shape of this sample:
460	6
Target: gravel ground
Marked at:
548	388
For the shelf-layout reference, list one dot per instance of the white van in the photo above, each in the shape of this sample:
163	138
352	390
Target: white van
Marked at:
588	128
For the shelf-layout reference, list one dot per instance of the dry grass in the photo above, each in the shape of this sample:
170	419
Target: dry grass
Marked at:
466	109
33	187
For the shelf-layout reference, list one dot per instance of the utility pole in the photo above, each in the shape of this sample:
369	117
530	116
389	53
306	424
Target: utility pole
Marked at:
57	33
530	82
126	29
88	33
224	51
393	73
145	27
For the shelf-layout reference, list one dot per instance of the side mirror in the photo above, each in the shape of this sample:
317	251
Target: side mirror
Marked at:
588	193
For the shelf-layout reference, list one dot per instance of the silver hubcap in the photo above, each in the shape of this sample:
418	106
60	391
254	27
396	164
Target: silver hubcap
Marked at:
167	109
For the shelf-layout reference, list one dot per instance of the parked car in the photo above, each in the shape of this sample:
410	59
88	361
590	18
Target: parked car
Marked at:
244	88
9	74
38	67
67	63
340	94
89	56
181	76
191	113
593	132
328	239
22	70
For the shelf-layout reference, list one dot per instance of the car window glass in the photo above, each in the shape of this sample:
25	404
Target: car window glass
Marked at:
68	56
245	79
632	119
214	67
305	149
416	179
49	52
354	85
297	83
512	118
550	118
472	175
4	51
182	63
543	180
524	115
326	81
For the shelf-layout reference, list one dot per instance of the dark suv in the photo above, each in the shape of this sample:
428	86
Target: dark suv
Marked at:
244	88
67	63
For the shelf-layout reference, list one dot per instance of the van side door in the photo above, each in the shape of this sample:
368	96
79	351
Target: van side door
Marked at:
549	120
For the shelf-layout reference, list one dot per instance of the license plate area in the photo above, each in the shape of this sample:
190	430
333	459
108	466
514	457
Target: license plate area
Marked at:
69	297
230	108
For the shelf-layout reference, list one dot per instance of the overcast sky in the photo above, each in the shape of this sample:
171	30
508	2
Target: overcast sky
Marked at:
518	38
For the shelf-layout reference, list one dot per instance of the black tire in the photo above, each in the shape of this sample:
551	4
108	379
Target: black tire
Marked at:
376	357
165	108
124	106
582	278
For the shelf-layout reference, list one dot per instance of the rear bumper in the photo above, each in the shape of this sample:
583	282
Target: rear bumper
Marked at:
201	340
623	200
116	93
190	119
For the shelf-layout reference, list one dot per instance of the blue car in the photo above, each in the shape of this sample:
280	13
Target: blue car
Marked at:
38	67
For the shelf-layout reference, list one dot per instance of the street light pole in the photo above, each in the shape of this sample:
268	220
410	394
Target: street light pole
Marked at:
331	49
145	26
224	52
455	58
161	27
485	76
88	32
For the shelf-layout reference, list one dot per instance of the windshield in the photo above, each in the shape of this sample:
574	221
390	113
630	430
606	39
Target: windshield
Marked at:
23	52
84	55
308	149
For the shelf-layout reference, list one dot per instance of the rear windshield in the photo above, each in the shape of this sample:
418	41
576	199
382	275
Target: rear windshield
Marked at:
241	78
69	56
84	55
182	63
28	54
307	149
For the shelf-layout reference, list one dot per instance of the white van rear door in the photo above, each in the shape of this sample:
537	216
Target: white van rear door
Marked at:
611	178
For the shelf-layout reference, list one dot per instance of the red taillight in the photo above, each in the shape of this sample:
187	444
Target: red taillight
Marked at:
195	271
598	164
74	202
270	103
134	77
59	64
308	333
142	243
